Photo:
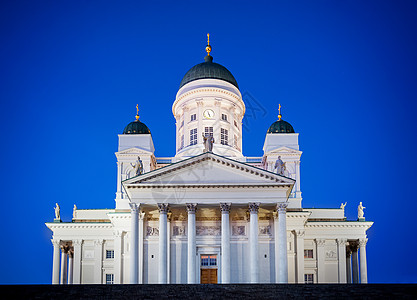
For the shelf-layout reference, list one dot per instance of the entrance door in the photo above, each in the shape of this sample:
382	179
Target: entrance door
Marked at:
208	271
208	276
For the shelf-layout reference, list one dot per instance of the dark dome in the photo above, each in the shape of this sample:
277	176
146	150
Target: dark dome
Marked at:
136	127
208	69
281	126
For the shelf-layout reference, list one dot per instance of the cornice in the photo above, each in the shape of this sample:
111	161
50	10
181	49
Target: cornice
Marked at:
198	186
342	224
79	226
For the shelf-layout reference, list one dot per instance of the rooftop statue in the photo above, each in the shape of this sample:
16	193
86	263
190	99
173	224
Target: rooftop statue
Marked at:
138	167
360	210
280	166
208	143
57	212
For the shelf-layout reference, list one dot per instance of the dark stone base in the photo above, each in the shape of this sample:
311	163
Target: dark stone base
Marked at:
214	291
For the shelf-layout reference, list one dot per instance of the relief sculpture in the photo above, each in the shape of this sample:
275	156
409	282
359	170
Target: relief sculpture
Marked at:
208	230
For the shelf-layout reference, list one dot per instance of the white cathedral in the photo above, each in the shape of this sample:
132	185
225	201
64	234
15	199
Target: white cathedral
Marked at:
209	214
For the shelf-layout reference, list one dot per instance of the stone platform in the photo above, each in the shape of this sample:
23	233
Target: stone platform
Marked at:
227	291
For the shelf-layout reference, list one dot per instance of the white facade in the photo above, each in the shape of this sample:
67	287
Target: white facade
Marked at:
215	217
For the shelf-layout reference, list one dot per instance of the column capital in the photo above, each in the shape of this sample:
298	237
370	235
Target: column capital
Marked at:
320	242
142	215
275	215
225	207
133	206
300	233
282	207
98	242
169	216
55	242
65	248
191	207
163	208
71	254
77	242
362	242
341	242
254	207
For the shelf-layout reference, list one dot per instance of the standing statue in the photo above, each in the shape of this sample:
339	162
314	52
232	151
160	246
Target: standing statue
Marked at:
57	212
280	166
138	167
342	206
208	143
74	212
360	210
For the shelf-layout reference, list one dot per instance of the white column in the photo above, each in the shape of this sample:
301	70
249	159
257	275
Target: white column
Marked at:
253	242
98	272
300	255
70	267
341	255
282	243
276	238
348	265
162	267
297	178
118	256
225	250
134	243
169	215
320	260
64	264
355	263
55	263
362	249
141	233
191	248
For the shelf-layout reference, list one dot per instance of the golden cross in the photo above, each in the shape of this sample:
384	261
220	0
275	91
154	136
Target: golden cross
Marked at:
137	112
208	47
279	112
208	38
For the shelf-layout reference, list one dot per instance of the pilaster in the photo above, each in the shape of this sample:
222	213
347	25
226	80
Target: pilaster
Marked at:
253	242
320	260
191	247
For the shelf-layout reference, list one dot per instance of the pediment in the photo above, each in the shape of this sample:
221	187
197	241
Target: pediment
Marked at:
134	151
284	150
209	169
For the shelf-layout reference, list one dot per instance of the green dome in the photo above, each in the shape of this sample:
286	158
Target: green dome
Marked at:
281	126
208	69
136	127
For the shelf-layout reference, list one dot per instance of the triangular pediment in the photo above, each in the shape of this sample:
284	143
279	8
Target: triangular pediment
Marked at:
284	150
134	151
209	169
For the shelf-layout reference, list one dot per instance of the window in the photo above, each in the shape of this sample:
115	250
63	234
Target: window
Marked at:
109	253
223	136
308	253
193	117
109	278
208	260
235	123
309	278
235	141
182	142
224	117
193	136
208	131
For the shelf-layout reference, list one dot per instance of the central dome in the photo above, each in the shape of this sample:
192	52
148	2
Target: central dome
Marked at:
208	69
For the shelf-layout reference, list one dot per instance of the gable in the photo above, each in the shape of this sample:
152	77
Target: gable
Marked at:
134	151
209	169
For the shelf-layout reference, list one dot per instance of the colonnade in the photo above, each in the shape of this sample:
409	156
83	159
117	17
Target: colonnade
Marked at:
356	266
136	268
62	269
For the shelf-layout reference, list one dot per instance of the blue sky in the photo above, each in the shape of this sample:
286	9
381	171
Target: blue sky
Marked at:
345	73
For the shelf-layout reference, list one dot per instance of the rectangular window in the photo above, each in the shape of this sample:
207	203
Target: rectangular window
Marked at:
208	131
235	123
235	141
223	136
182	142
193	117
224	117
208	260
109	254
109	278
308	253
309	278
193	136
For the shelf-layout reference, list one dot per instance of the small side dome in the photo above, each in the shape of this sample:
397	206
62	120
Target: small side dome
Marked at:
136	127
281	126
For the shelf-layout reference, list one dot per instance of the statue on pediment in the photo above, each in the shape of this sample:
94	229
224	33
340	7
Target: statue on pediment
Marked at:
57	212
360	211
342	206
74	212
208	141
280	166
138	167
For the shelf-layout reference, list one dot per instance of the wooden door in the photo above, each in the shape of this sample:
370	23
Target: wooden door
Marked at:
208	276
